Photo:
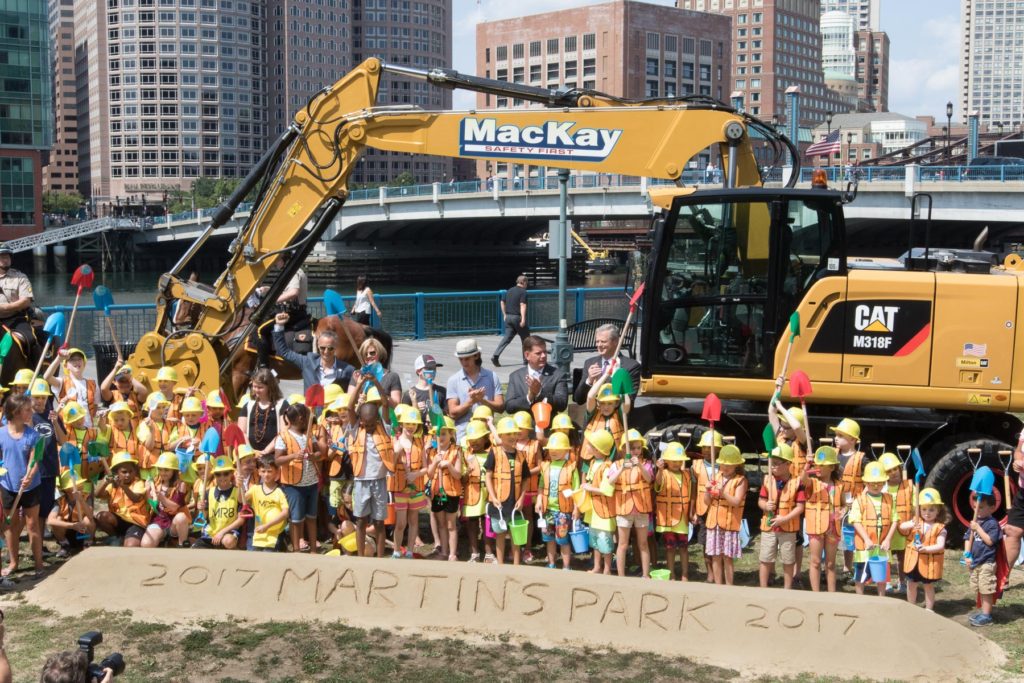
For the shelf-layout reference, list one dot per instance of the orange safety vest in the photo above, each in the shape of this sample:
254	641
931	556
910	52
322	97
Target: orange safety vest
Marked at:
411	461
133	402
929	565
672	497
195	433
122	506
904	502
877	527
564	482
384	449
703	478
474	482
785	501
632	493
291	471
724	515
120	441
335	437
532	454
613	424
502	476
604	506
161	435
67	512
82	438
823	499
853	473
90	394
799	464
443	480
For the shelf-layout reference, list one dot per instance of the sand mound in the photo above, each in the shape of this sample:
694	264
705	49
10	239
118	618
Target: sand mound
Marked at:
766	631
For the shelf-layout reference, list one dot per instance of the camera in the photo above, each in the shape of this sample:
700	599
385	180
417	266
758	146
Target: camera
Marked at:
87	643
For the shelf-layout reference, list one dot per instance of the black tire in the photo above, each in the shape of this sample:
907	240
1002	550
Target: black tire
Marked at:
952	473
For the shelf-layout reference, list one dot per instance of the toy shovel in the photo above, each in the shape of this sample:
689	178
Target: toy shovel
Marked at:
712	413
981	485
333	303
54	328
81	278
800	388
102	299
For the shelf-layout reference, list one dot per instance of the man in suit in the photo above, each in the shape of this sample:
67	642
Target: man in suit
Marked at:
606	339
537	381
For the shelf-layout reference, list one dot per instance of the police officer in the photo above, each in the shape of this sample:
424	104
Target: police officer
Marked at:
15	298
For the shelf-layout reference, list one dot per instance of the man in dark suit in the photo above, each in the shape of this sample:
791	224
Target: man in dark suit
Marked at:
537	381
606	339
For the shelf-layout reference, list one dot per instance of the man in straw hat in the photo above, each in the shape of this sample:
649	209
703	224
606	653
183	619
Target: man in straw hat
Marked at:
472	386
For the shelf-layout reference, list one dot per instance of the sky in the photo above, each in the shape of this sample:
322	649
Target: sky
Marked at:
924	37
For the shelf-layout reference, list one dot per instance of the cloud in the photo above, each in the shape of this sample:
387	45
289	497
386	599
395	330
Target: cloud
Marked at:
924	71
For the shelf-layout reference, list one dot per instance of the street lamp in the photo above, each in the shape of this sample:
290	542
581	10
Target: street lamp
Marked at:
949	125
828	124
849	145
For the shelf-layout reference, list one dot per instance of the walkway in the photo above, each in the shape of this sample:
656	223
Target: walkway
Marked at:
70	232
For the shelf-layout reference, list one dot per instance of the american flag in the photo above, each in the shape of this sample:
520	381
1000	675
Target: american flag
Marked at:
978	350
830	145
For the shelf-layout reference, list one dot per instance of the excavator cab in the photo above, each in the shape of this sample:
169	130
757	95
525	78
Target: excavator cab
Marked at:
727	269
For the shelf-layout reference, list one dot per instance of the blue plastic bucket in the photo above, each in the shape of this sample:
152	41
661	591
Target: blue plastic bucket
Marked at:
878	569
849	538
580	537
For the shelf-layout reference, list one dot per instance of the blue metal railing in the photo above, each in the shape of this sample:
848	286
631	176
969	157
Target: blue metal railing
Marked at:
415	315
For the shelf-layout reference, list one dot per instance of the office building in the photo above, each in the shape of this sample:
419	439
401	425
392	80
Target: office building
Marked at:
61	171
855	62
26	115
873	70
624	48
868	135
866	13
992	62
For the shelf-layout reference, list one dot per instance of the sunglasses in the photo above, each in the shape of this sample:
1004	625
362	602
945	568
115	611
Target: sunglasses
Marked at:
326	348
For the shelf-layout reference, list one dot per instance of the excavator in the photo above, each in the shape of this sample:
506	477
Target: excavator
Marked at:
918	349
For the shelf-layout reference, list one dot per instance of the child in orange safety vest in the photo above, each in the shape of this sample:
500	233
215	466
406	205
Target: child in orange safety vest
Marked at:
556	510
477	448
702	478
902	492
851	469
529	446
926	547
507	474
408	483
445	475
725	498
823	515
873	515
597	450
782	500
632	477
673	506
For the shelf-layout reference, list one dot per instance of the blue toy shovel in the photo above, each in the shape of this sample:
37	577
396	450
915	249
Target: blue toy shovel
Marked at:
103	300
333	303
55	329
981	485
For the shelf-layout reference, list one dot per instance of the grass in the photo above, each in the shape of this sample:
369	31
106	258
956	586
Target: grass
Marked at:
219	650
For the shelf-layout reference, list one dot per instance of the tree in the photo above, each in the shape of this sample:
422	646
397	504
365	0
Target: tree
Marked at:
67	203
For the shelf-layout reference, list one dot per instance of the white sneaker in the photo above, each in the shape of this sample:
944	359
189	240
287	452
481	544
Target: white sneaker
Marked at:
474	557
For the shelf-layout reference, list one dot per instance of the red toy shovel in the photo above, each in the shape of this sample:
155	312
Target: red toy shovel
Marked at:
712	413
800	388
81	278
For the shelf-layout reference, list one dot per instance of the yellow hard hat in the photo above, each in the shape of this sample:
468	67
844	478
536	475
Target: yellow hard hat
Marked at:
191	405
338	405
332	392
40	388
476	430
562	421
75	352
372	395
705	439
523	420
606	394
874	473
66	482
410	416
602	440
674	452
783	452
244	400
507	425
730	455
214	399
167	461
482	413
448	423
889	461
296	400
929	496
826	455
123	457
222	464
73	412
22	377
798	414
244	451
156	399
123	370
633	436
848	427
121	407
166	374
558	442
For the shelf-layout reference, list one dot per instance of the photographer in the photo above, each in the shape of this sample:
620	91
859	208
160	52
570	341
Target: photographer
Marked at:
71	666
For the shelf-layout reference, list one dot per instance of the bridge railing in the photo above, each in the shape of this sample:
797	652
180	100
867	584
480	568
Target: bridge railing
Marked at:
417	315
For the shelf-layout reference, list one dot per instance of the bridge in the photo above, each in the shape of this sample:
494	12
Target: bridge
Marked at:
91	228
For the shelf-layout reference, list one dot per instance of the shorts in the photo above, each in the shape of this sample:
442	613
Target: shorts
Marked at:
915	576
158	531
640	520
557	527
1015	516
414	502
602	541
337	491
674	540
370	499
125	529
206	540
700	533
448	504
983	578
29	499
528	499
778	545
302	502
723	543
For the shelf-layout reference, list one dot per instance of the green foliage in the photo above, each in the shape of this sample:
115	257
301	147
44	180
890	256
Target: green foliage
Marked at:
207	192
67	203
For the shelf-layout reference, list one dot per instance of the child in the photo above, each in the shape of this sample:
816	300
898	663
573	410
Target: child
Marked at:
603	409
563	423
166	380
269	505
782	500
128	511
154	434
297	454
673	499
170	514
191	430
17	444
725	498
702	478
445	475
119	385
823	514
44	421
632	478
373	456
72	520
507	473
337	434
851	465
557	475
530	448
873	516
246	476
221	508
78	435
791	430
408	481
597	449
927	547
116	428
474	500
982	543
73	386
902	492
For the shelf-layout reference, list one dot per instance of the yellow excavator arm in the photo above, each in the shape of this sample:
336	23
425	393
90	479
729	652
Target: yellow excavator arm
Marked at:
302	181
591	252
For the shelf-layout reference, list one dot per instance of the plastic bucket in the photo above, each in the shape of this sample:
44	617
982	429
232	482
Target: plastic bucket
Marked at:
349	542
878	569
582	499
849	538
541	414
661	574
392	515
520	528
580	537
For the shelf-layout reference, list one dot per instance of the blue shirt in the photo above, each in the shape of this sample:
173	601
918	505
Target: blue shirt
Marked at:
981	552
459	386
16	454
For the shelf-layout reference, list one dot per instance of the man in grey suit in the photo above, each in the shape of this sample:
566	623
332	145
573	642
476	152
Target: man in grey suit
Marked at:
537	381
606	338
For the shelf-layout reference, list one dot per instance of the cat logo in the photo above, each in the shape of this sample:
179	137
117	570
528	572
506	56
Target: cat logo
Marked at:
880	319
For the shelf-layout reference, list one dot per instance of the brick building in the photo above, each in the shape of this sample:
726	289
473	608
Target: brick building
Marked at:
61	172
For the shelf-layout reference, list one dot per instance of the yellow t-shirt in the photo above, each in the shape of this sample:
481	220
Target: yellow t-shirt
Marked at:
266	505
592	519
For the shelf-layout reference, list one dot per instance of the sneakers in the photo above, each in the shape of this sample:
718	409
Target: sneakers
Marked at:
397	555
980	619
474	557
489	558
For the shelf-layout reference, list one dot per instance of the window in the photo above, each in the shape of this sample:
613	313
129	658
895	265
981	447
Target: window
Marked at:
517	51
670	43
552	46
589	41
535	48
502	53
570	69
653	41
651	89
652	66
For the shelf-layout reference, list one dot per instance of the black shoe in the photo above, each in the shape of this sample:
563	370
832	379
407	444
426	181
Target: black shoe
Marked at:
494	360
